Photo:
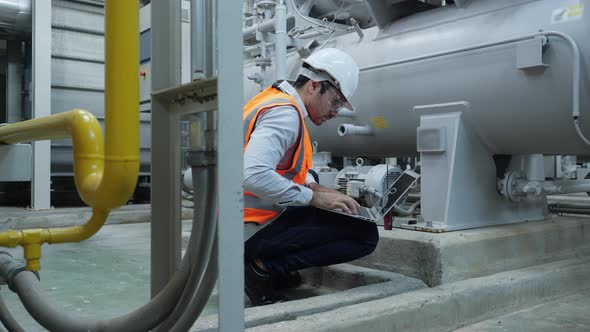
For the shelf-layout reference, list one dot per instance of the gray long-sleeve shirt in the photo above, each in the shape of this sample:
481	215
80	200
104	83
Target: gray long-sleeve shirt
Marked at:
271	146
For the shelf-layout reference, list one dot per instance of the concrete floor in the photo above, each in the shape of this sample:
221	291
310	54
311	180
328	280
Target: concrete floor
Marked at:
571	314
108	275
105	276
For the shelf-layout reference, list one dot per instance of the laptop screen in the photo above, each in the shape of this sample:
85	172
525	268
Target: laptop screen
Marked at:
400	187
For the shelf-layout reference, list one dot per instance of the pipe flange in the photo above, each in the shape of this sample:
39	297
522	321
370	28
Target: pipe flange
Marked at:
508	186
263	62
266	4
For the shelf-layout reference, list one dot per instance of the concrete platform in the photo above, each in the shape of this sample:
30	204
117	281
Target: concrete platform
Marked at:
443	258
108	275
452	306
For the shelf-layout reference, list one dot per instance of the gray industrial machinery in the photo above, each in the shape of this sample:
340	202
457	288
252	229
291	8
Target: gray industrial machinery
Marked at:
481	90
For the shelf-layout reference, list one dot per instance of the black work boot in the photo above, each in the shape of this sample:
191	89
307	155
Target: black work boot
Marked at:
287	280
258	286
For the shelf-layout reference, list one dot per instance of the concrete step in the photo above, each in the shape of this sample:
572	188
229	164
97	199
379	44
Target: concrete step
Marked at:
451	306
341	285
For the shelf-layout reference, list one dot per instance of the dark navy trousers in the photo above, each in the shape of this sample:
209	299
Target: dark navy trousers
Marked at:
305	237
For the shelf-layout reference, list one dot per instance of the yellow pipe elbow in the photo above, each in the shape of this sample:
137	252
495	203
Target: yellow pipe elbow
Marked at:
78	233
105	173
87	144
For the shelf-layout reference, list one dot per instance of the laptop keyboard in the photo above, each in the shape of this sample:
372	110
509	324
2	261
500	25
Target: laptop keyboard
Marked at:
364	212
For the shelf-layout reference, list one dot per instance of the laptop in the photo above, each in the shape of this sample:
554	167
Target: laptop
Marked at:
392	196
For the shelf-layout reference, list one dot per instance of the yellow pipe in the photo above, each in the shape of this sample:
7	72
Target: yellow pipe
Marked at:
105	180
87	144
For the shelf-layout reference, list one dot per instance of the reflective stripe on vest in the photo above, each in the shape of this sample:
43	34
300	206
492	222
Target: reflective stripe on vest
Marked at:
256	209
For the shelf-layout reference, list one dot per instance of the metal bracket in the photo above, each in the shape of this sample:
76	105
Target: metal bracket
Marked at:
193	97
529	53
382	13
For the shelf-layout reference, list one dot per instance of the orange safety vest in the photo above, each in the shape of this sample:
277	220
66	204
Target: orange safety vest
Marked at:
257	209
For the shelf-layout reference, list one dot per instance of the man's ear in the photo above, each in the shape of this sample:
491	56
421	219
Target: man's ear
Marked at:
313	85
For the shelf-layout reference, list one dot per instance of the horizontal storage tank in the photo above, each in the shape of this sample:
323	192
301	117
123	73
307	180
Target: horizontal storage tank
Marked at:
514	111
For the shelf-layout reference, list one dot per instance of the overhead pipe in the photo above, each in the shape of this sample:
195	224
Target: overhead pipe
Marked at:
281	41
266	26
104	180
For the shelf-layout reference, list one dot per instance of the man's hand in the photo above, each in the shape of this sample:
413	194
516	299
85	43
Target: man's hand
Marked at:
331	199
317	187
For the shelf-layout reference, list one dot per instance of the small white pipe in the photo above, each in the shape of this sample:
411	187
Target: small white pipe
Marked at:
281	41
352	130
346	113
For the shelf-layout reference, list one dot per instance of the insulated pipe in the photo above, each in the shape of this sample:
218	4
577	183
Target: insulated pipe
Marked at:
103	188
281	41
352	130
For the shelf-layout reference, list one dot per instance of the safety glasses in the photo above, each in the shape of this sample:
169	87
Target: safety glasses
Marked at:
336	101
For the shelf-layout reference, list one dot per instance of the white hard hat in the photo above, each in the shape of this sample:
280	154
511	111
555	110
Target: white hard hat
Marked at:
341	68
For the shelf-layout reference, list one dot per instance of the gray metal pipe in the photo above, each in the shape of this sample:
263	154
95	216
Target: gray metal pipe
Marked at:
281	41
202	290
266	26
202	295
568	187
205	199
202	39
7	319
